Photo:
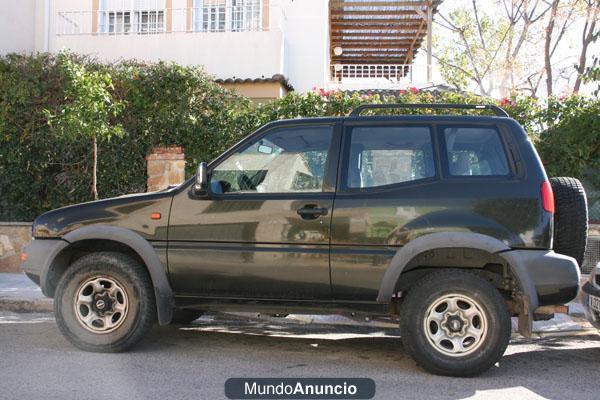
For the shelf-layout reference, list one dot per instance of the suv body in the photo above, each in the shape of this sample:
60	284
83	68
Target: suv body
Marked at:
338	214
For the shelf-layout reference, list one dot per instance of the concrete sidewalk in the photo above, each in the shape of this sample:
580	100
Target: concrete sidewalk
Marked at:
19	294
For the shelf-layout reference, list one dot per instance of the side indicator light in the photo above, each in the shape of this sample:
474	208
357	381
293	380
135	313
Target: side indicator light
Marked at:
23	257
156	216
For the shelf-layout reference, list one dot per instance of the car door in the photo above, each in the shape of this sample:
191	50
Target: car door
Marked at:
388	179
263	229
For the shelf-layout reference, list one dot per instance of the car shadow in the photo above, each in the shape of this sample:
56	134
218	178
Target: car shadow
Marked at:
552	367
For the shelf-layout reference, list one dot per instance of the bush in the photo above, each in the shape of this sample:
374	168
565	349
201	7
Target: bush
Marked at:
41	168
167	104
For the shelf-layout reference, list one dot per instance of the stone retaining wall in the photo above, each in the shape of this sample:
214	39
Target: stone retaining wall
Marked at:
13	236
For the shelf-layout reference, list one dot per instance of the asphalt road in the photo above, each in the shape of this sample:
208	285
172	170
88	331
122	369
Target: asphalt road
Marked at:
193	362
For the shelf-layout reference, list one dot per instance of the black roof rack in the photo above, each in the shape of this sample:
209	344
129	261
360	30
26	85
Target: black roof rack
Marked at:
499	112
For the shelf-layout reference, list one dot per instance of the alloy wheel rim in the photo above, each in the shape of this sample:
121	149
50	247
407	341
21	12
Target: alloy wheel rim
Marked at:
101	304
455	325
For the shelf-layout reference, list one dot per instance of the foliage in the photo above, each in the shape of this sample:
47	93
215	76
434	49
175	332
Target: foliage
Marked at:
45	166
592	74
88	109
88	106
571	144
516	46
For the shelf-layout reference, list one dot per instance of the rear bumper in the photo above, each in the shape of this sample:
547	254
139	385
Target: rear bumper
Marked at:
40	255
555	277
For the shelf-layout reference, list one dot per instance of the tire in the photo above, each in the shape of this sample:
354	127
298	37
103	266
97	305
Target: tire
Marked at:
570	218
490	319
185	316
115	282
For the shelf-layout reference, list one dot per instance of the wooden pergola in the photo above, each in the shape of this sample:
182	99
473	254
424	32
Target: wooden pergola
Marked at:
380	32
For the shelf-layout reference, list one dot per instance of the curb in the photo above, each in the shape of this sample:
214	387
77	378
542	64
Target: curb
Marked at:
26	306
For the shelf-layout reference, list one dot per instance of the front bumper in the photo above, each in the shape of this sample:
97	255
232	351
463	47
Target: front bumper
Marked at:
591	290
40	256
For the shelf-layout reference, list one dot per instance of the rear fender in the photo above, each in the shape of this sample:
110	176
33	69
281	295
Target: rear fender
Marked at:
529	299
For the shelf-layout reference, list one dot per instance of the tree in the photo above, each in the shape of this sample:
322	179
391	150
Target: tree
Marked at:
589	35
592	74
473	58
88	109
505	47
522	16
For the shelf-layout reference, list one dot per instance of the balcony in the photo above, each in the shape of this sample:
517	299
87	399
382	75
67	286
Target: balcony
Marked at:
252	16
376	76
374	43
207	36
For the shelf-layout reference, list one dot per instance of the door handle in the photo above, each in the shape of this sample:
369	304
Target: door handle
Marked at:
311	211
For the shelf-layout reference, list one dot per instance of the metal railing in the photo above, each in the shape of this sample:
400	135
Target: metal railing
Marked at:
391	72
211	18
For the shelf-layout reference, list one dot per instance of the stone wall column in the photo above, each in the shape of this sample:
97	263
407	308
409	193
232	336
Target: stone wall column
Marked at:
165	167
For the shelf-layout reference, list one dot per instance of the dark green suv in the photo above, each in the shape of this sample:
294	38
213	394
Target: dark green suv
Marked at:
443	221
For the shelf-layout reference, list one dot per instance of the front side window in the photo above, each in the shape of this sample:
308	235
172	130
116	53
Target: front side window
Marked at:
475	151
285	160
387	155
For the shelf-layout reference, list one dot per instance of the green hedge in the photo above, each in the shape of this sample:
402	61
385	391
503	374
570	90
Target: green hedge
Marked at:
167	104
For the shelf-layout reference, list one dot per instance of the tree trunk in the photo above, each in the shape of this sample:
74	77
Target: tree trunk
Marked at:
587	38
547	42
94	168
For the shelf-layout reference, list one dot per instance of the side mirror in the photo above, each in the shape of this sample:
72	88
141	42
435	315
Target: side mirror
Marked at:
201	184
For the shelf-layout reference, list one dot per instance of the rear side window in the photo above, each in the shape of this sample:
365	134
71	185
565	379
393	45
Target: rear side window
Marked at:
475	151
383	155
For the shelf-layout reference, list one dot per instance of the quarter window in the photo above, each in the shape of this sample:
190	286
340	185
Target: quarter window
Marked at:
475	152
384	155
286	160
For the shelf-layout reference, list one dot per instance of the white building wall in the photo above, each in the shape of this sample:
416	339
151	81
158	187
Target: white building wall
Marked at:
305	27
17	32
257	54
224	55
296	44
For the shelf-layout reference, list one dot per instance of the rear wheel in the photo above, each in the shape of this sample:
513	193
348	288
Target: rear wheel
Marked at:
454	323
570	218
104	302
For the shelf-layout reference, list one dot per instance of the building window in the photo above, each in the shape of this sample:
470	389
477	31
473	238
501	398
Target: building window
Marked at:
213	16
118	22
227	15
151	21
131	16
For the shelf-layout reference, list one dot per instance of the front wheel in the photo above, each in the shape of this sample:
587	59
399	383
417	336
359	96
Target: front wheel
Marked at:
455	323
104	302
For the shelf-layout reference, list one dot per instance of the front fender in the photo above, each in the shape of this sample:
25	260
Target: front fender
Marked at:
158	275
